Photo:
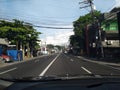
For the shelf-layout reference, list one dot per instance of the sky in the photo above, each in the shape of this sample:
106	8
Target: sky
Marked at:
53	13
62	36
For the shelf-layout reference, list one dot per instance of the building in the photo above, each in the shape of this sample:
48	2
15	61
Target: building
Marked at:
104	41
3	45
111	44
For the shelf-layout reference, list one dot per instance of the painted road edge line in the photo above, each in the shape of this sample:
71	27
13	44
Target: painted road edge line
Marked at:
86	70
112	67
7	71
45	70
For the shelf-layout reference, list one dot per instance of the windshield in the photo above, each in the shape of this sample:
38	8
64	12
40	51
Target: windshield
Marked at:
59	38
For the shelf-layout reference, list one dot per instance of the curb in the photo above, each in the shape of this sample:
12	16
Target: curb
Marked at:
99	62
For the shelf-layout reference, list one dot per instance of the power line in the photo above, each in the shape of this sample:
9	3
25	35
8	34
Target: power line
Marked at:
90	4
40	26
51	27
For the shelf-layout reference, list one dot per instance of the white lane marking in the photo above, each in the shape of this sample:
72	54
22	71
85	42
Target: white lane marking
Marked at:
86	70
36	61
113	67
71	60
66	56
7	71
45	70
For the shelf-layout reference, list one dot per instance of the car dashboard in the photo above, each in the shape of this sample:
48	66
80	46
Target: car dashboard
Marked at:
67	84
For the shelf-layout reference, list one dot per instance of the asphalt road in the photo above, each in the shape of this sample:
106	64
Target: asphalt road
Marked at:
58	64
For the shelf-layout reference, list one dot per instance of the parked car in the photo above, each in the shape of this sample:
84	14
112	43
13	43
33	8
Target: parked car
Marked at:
6	58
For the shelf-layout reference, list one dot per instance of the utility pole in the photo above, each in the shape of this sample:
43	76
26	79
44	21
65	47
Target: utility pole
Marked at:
90	4
92	9
87	4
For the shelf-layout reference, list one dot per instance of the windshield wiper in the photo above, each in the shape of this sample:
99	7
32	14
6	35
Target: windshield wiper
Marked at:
49	78
102	83
32	78
58	77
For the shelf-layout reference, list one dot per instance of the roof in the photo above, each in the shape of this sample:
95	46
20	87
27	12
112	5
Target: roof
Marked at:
109	16
115	9
4	41
112	14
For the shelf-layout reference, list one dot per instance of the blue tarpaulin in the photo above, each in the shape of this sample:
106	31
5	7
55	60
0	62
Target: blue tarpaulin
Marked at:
0	51
15	54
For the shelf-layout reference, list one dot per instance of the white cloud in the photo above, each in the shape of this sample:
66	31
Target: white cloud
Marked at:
58	38
117	3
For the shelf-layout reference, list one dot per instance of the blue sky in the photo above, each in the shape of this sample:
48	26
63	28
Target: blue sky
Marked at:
59	13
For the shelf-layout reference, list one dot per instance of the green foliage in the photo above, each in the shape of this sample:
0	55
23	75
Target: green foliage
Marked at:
78	39
73	40
59	47
50	46
17	31
83	21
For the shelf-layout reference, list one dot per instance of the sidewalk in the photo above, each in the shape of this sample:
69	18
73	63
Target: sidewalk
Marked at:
3	64
106	61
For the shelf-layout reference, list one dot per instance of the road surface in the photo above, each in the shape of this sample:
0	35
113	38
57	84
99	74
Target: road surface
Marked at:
58	64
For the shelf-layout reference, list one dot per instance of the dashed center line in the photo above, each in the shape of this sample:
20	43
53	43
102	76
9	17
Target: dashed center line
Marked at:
36	61
86	70
113	67
7	71
71	60
66	56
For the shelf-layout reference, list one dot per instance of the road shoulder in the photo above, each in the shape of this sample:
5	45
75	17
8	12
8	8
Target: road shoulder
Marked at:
96	61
